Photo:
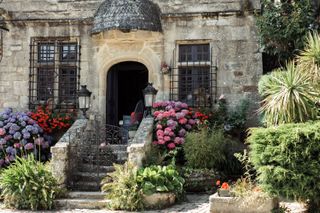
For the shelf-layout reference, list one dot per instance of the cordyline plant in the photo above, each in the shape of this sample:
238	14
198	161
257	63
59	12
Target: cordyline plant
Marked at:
289	96
309	59
173	121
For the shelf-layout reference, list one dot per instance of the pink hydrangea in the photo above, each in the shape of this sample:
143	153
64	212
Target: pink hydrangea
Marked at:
2	131
172	121
171	146
183	121
167	138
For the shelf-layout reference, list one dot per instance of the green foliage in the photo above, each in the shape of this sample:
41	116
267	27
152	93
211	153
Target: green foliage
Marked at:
237	117
309	58
157	179
286	158
288	96
211	150
123	189
28	184
282	27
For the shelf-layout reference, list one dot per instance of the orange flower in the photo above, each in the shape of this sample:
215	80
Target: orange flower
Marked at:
218	183
225	185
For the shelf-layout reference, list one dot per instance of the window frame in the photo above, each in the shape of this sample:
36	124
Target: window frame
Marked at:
38	61
200	89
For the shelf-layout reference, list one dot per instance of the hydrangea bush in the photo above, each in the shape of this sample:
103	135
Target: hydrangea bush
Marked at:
20	135
172	121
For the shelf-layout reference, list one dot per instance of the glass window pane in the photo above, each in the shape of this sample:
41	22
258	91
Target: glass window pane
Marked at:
45	83
67	84
68	52
46	52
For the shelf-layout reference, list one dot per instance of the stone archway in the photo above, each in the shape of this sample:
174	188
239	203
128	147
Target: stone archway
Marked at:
125	82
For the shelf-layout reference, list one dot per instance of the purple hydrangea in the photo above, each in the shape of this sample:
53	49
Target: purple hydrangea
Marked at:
28	146
17	136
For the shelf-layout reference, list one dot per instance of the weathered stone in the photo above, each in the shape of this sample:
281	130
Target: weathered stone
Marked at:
141	143
159	200
250	88
240	205
232	38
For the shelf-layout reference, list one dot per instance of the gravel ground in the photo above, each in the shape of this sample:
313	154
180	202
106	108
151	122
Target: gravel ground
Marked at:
195	204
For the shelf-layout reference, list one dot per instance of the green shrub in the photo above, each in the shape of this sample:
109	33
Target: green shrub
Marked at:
28	184
288	96
287	159
211	150
282	27
123	189
238	116
156	179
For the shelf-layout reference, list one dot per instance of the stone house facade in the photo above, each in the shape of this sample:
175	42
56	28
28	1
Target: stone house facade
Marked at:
191	50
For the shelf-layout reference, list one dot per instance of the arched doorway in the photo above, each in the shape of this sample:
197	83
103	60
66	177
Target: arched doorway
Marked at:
125	82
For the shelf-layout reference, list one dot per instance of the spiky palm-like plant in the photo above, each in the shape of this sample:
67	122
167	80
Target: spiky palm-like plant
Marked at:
288	96
309	58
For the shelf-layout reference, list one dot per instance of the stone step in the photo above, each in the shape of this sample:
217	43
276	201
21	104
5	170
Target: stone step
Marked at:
118	147
85	195
89	176
93	168
81	203
122	156
111	147
90	186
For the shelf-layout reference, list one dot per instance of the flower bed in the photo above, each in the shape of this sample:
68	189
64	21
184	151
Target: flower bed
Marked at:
173	121
19	136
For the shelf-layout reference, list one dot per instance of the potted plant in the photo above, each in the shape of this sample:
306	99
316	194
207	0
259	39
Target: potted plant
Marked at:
242	197
224	189
161	185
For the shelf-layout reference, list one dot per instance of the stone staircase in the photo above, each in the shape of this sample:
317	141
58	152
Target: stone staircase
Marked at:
85	188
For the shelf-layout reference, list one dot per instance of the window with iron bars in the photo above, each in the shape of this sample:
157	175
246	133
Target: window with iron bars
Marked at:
54	73
193	77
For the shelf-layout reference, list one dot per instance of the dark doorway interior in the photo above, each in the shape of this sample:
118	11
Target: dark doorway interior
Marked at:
125	82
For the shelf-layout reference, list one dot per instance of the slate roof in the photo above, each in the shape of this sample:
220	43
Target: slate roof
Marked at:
127	15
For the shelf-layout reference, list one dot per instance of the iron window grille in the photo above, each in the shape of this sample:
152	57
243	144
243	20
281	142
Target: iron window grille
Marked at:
193	79
54	72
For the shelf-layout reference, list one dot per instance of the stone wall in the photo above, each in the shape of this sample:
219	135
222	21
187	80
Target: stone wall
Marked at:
228	25
141	143
62	162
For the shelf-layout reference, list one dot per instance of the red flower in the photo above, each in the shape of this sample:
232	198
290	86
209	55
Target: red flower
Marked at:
225	185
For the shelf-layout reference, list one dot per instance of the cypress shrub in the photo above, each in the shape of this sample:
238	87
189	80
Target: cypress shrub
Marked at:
287	160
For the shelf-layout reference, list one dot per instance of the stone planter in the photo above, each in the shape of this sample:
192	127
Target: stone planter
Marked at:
159	200
240	205
224	193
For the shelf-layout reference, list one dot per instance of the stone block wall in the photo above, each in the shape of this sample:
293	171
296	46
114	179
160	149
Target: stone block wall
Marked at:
63	161
228	25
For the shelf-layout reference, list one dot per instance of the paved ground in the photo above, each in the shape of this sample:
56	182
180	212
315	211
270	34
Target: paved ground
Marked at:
194	204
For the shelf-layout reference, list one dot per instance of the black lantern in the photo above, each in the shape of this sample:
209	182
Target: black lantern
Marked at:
149	97
84	99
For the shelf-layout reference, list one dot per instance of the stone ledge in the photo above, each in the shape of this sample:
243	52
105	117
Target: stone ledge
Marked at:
239	205
141	142
61	160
